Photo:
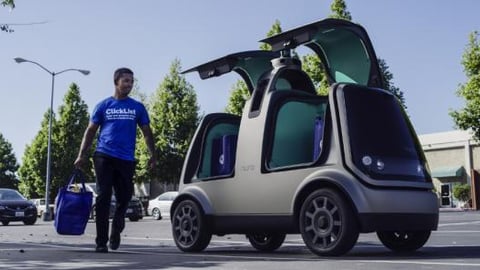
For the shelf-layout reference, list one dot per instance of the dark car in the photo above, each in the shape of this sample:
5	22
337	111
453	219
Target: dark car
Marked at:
15	207
134	210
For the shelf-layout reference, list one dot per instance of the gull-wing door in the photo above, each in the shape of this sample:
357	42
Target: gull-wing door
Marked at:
344	48
250	65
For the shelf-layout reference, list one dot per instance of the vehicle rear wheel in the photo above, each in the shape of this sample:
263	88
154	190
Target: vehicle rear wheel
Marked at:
156	214
328	224
5	223
134	218
266	241
189	227
403	241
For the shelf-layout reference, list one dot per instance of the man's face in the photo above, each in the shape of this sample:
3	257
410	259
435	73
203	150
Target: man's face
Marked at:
124	85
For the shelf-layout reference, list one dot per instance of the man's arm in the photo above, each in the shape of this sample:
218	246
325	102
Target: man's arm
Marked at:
85	145
148	136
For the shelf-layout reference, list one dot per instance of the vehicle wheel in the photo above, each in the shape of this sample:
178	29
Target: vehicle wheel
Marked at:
266	241
189	227
30	221
156	214
403	241
134	218
328	224
5	223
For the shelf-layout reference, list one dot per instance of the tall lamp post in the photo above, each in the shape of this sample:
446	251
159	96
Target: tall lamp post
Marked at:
47	215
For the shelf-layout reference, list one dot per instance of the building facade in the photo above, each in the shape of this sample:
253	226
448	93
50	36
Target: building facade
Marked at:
453	158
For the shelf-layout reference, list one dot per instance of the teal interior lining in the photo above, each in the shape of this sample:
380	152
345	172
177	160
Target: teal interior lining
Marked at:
216	131
294	133
346	56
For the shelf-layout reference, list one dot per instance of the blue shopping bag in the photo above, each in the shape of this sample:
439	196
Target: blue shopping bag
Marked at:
73	205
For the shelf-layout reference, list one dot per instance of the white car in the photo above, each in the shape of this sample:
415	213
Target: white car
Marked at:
160	206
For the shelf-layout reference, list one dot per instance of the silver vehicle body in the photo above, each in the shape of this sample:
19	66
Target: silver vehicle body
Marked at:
270	181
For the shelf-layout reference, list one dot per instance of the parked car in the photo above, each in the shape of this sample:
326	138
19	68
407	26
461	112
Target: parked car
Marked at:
159	207
134	210
15	207
326	167
41	206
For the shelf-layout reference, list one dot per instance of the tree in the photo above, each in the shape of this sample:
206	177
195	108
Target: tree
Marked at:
239	92
467	117
174	118
387	78
6	27
462	192
32	172
238	96
8	165
142	173
312	65
8	3
67	135
274	30
339	10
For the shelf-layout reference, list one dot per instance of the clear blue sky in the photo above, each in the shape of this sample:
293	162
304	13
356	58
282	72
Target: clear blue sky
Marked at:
421	41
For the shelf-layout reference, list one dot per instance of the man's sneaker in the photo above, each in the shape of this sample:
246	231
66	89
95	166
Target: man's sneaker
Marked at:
114	241
101	249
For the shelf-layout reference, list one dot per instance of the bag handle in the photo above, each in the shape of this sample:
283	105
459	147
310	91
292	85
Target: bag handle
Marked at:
77	173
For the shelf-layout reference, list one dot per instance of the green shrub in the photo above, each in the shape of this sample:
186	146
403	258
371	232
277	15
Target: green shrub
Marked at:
462	192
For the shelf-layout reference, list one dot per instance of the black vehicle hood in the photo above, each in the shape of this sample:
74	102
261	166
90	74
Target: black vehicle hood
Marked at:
15	203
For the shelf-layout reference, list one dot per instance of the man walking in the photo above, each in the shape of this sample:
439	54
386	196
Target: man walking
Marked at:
117	117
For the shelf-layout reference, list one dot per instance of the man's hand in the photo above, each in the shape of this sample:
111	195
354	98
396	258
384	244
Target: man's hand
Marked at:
80	162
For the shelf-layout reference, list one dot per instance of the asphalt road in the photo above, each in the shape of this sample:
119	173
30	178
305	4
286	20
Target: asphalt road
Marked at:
148	244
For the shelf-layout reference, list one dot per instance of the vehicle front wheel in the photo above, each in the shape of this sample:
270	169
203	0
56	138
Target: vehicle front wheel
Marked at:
5	223
156	214
403	241
134	218
30	221
328	224
189	228
266	241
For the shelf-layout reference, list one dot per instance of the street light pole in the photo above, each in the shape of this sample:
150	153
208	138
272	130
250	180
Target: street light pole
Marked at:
47	215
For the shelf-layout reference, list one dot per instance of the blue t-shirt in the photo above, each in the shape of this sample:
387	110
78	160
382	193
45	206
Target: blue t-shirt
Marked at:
118	120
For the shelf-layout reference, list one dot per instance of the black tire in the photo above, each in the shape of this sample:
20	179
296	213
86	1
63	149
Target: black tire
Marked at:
189	228
156	214
403	241
30	221
266	241
134	219
328	224
5	223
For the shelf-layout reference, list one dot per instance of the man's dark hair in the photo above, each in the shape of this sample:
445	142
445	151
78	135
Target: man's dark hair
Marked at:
119	72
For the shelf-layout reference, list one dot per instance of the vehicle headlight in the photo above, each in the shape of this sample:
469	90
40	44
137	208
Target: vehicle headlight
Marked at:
367	160
380	165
